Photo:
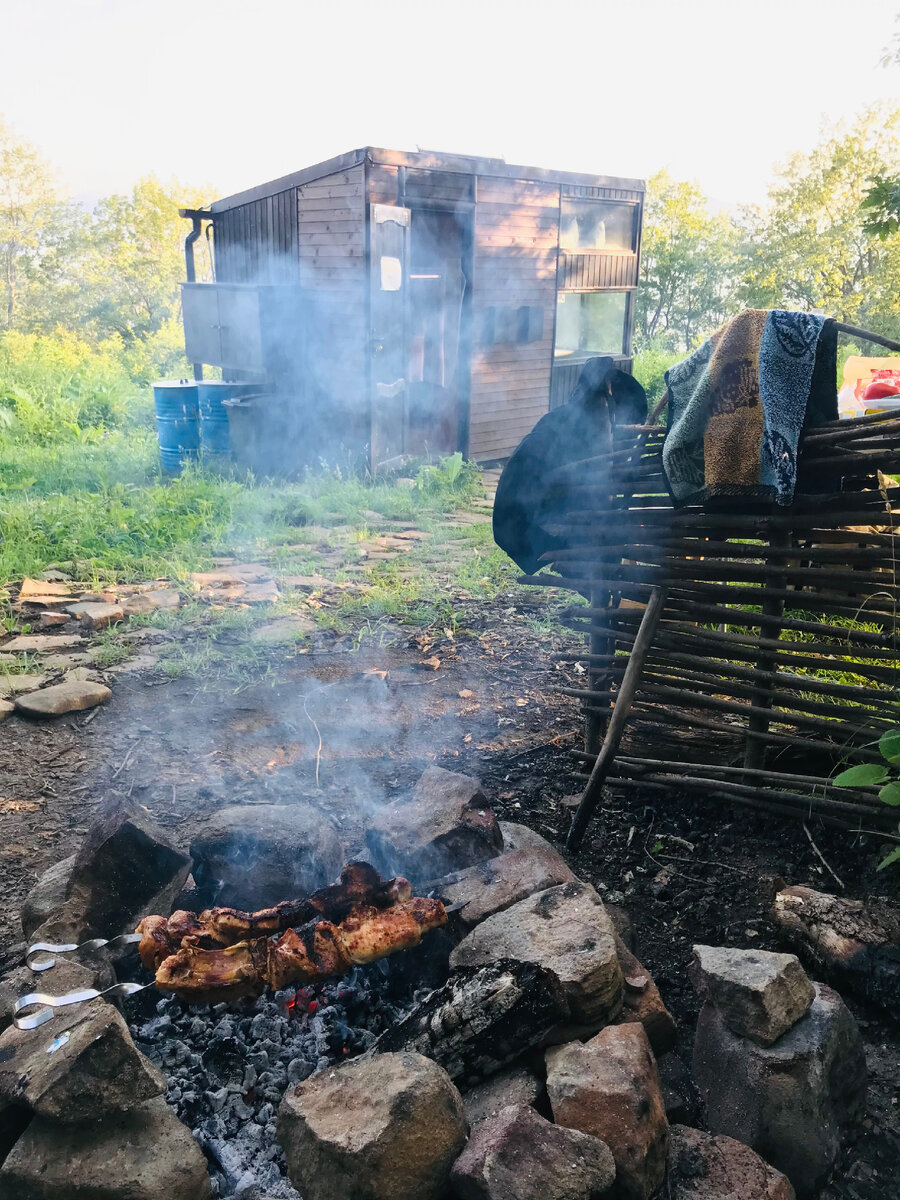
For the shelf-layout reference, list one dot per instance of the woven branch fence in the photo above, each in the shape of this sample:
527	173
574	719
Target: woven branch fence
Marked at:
761	650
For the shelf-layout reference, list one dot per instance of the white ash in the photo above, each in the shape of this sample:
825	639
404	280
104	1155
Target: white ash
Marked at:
228	1066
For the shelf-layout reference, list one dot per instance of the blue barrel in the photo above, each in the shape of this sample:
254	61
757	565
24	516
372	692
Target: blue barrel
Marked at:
177	423
211	394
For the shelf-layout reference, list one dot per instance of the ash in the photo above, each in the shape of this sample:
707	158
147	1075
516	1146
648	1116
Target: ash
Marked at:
228	1066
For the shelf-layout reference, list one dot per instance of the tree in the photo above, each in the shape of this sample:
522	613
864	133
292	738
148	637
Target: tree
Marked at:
811	247
687	265
36	224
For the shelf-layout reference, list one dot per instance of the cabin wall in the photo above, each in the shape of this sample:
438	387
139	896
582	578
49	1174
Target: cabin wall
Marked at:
516	238
257	242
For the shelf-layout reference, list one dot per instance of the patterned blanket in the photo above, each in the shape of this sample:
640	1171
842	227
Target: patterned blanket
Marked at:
737	406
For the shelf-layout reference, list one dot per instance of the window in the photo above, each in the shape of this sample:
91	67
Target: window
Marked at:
596	225
591	321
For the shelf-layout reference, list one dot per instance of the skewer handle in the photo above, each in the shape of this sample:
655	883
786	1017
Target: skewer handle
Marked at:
124	939
46	1005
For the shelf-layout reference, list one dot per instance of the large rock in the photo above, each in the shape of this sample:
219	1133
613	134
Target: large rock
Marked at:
517	1155
642	1002
444	826
790	1101
759	994
95	614
509	1089
81	1065
385	1128
522	837
144	1154
564	929
498	883
41	643
610	1088
704	1166
252	856
47	896
63	698
125	868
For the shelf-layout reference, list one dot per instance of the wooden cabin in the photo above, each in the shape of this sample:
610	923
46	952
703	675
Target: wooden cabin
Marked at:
417	303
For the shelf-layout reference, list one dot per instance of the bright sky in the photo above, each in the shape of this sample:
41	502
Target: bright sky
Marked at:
236	92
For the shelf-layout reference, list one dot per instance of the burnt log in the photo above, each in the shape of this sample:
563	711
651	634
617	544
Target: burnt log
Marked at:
481	1020
855	946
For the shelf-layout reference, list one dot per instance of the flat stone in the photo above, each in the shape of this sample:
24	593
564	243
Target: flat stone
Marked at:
6	709
51	620
259	854
140	662
513	1088
137	605
41	643
760	995
81	1065
446	824
643	1002
54	575
706	1166
610	1088
126	868
792	1101
47	896
96	615
63	698
43	587
91	597
236	573
497	883
82	674
385	1128
517	1155
143	1154
564	929
12	685
48	601
163	598
520	837
284	629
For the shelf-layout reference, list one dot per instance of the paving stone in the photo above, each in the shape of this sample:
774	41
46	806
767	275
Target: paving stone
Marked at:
80	1065
41	643
284	629
706	1166
517	1155
513	1088
96	615
791	1101
63	698
446	824
497	883
260	854
385	1128
11	685
610	1088
163	598
760	995
143	1154
564	929
52	620
43	587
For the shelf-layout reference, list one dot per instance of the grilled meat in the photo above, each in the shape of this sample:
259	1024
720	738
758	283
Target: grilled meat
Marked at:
359	883
311	954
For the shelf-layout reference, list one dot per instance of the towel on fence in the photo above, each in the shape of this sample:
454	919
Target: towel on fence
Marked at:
738	404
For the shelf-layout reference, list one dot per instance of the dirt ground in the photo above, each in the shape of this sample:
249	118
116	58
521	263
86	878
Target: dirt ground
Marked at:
328	725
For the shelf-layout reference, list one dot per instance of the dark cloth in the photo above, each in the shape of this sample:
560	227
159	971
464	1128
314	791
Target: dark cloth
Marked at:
527	502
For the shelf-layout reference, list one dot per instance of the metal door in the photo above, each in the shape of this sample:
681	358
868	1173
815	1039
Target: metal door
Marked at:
388	274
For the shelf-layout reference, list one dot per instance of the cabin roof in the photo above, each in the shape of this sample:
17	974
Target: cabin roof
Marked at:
424	160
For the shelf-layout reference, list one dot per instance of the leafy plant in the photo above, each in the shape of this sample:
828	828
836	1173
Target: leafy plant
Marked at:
875	774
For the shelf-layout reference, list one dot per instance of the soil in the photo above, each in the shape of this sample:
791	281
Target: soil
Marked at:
327	724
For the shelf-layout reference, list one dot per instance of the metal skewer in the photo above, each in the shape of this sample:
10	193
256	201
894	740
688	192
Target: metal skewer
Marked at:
46	1005
124	939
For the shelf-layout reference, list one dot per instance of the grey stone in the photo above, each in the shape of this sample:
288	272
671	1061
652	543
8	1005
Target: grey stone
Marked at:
144	1154
444	826
610	1088
80	1065
520	837
96	615
47	896
706	1166
759	994
40	643
255	855
498	883
385	1128
564	929
63	698
517	1155
790	1102
66	976
12	685
510	1089
126	868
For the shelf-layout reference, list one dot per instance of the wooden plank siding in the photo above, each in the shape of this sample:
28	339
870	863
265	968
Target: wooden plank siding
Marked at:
257	242
515	264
